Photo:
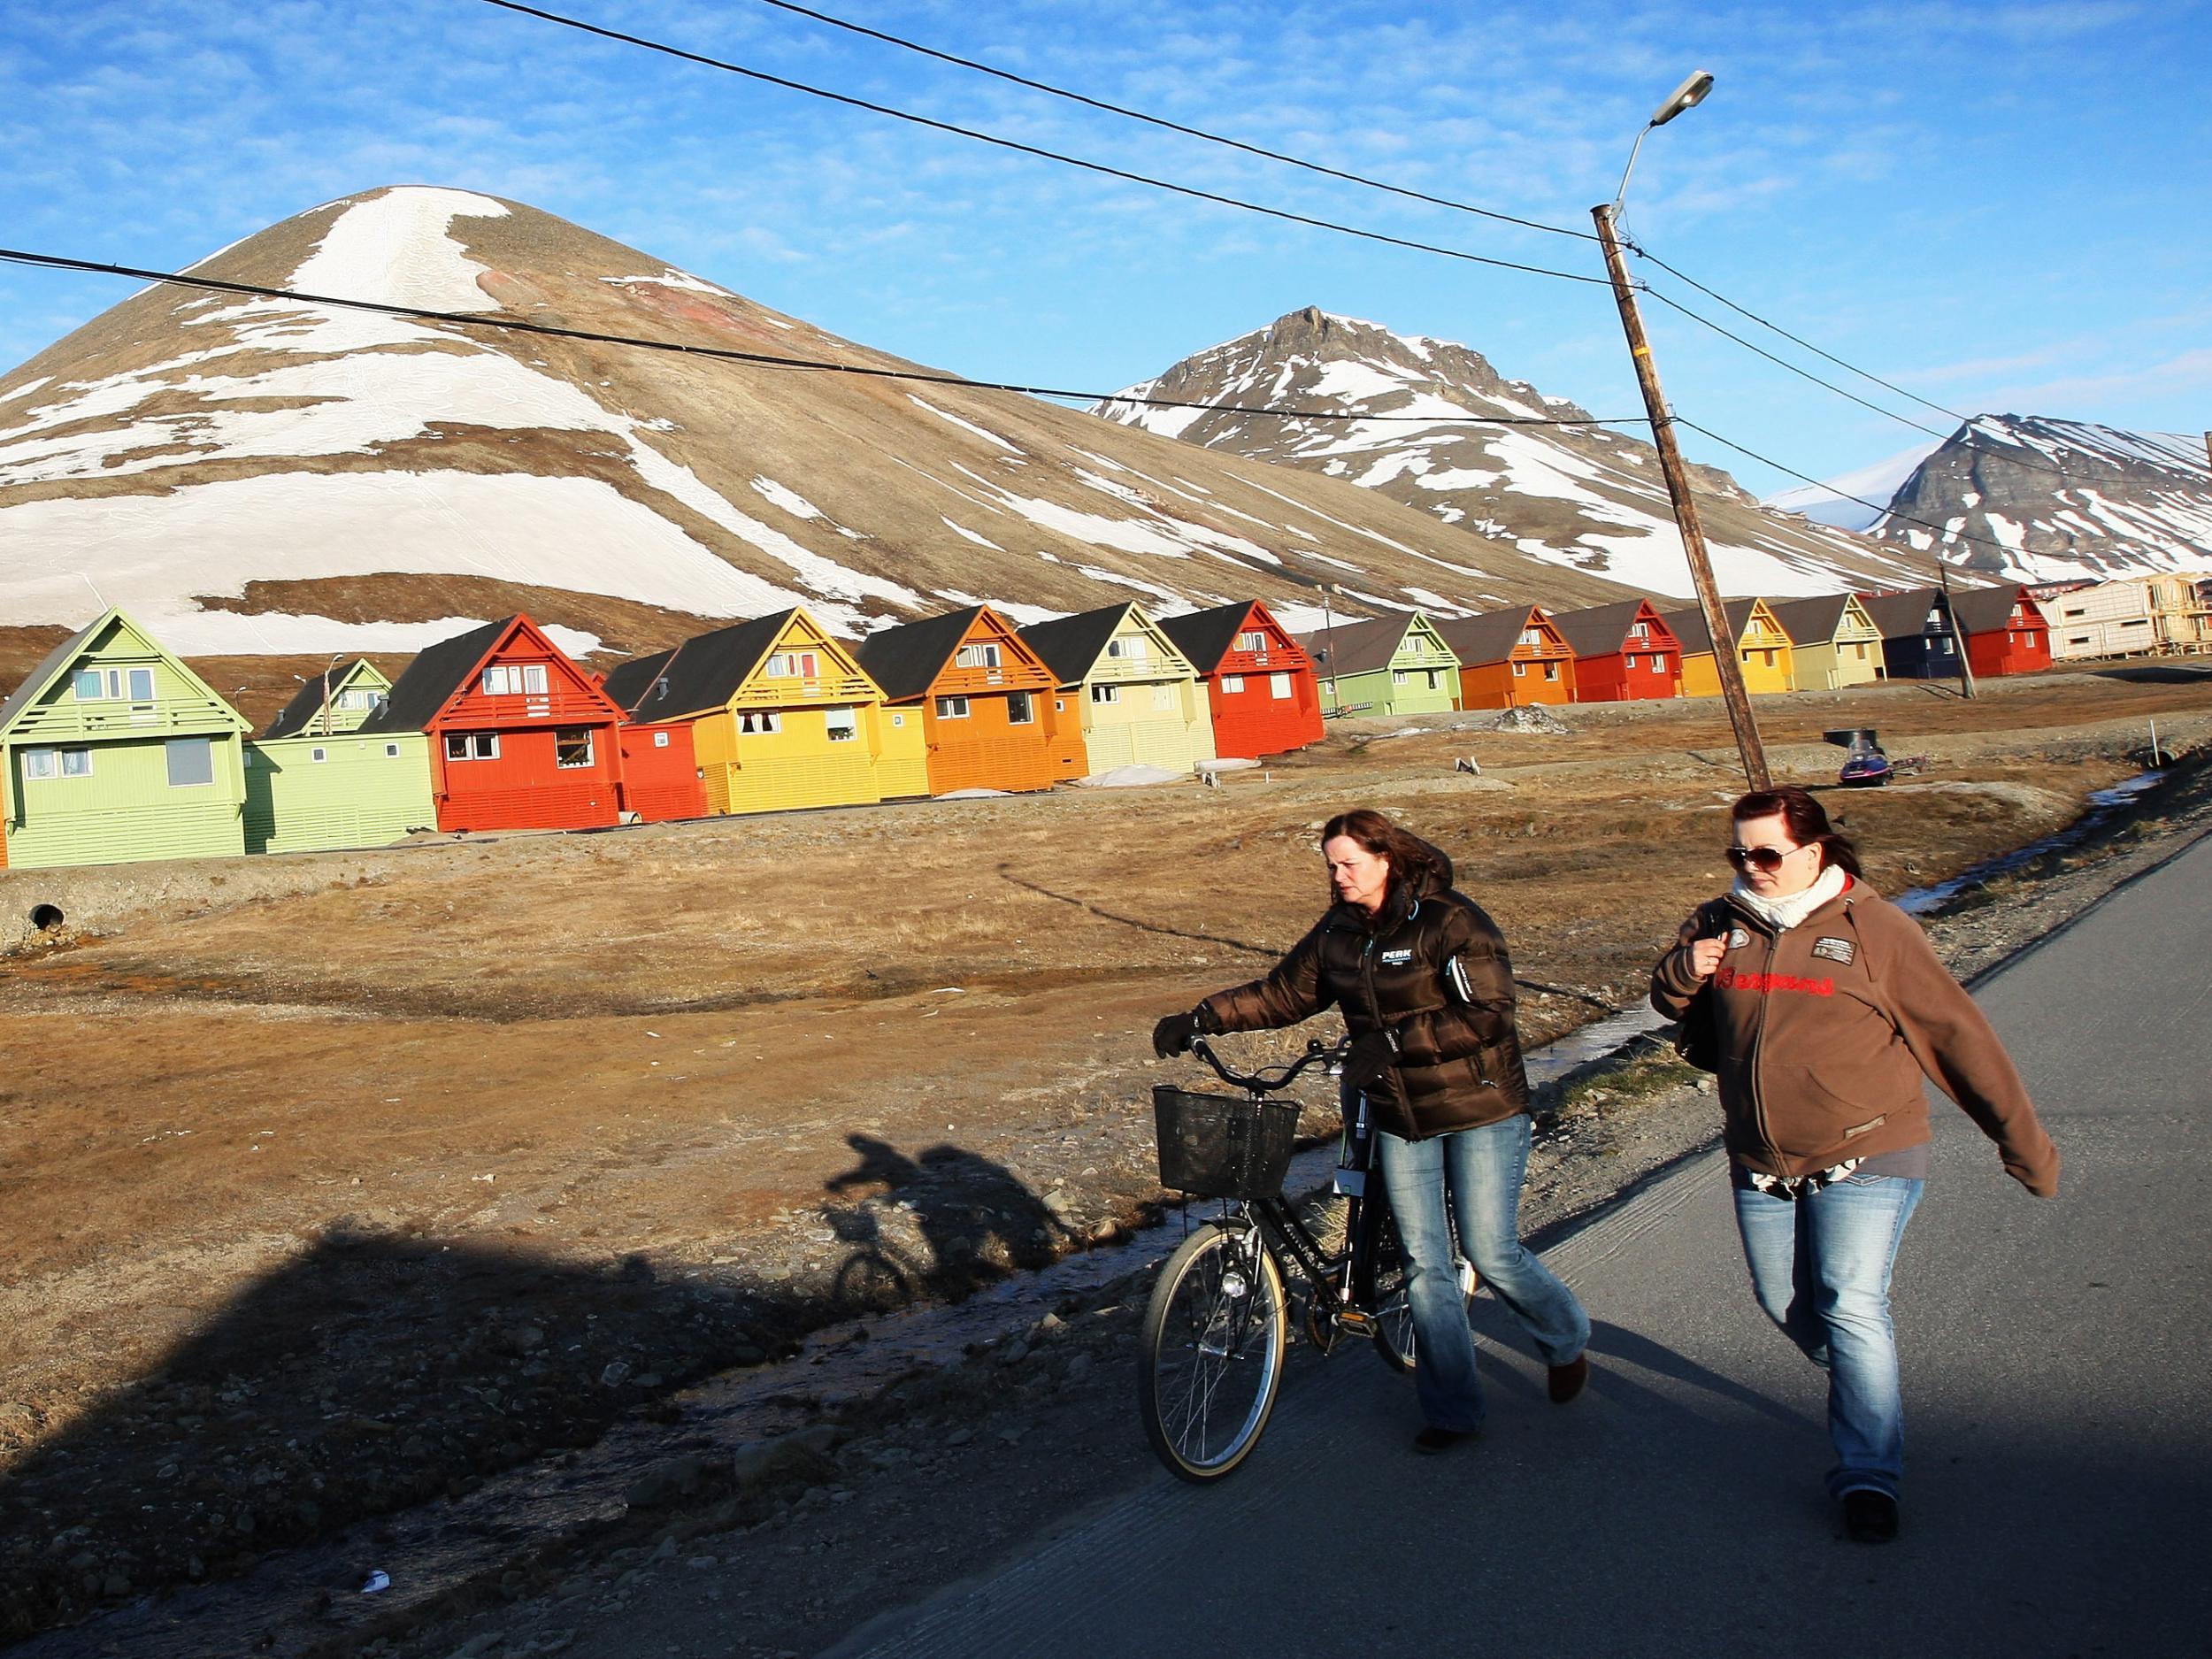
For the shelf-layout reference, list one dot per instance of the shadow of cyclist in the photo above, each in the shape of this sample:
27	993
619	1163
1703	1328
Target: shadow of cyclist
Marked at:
977	1222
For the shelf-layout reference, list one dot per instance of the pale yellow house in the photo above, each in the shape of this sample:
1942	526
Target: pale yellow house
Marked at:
1128	697
1833	642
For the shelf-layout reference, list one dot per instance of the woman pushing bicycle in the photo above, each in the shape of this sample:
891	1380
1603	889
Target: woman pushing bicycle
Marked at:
1422	978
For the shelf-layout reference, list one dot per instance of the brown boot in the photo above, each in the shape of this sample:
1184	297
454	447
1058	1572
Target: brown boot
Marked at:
1565	1382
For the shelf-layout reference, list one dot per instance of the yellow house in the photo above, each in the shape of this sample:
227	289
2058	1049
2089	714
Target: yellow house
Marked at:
1834	641
782	717
1763	649
1139	700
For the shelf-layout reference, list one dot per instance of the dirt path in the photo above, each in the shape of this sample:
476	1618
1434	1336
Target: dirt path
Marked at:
328	1186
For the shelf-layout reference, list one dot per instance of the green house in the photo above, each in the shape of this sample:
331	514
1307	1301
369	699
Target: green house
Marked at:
1394	664
313	784
113	751
1135	699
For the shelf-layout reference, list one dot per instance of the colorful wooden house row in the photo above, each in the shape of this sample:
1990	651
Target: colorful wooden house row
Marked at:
1393	664
1128	696
1261	688
2004	630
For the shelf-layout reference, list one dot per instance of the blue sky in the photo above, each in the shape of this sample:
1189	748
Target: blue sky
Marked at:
2000	206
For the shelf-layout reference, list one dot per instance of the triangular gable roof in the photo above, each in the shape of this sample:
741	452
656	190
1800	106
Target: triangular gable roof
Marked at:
442	672
1492	636
305	709
1359	648
1602	630
1815	620
1069	646
1903	615
703	674
62	657
906	661
1989	609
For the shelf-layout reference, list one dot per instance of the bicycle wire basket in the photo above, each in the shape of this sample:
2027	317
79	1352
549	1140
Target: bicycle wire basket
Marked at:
1223	1146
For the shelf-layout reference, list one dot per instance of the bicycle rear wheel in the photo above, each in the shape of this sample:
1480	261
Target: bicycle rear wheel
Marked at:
1392	1307
1212	1355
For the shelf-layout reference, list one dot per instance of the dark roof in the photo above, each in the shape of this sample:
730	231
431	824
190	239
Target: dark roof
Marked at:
1357	648
905	660
431	679
1985	610
27	693
1487	638
1689	626
1205	636
1900	616
305	709
1813	620
1070	645
1601	630
704	673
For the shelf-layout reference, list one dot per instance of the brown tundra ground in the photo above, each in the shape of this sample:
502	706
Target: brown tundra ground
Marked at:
331	1183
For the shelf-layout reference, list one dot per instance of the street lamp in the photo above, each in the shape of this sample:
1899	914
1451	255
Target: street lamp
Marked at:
1687	95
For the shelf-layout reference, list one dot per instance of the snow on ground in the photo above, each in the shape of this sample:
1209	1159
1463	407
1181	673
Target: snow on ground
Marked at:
797	506
395	248
970	535
671	278
1022	615
965	425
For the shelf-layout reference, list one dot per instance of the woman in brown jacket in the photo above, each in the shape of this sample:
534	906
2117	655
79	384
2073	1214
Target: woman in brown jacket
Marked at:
1421	977
1822	1007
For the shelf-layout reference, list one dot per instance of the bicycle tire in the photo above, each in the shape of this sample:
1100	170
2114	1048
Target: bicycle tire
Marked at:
1392	1309
1211	1361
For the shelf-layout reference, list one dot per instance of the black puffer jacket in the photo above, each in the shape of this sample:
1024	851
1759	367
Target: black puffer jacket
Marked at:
1432	968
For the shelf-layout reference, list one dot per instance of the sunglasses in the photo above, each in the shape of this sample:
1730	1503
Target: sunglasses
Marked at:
1767	858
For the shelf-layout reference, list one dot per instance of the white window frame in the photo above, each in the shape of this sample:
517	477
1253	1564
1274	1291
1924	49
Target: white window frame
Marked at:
759	722
1551	669
76	762
1252	640
40	764
568	735
1231	685
1632	659
952	707
171	746
1401	676
1520	670
131	679
660	740
1278	687
471	745
516	679
1105	694
391	751
1130	648
841	725
1021	709
794	665
318	754
978	654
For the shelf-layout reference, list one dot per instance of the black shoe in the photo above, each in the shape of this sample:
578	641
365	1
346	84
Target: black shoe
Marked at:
1869	1516
1433	1439
1563	1383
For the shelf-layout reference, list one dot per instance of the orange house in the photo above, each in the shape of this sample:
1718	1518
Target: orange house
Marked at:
984	697
1510	658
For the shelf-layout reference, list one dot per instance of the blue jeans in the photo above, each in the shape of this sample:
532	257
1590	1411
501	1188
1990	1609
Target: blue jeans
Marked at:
1820	1267
1483	1168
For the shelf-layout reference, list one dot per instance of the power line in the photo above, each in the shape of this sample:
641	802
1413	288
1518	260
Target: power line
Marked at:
977	133
1173	126
1947	533
515	324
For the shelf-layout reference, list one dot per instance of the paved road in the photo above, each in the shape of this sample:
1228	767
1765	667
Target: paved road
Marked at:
2058	1499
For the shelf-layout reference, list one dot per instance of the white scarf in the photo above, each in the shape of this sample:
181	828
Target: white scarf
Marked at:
1782	914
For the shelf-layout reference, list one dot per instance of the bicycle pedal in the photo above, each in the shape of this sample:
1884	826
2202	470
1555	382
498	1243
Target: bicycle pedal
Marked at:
1358	1323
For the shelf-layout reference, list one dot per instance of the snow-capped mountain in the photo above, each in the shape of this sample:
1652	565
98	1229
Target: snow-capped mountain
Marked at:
2049	500
263	476
1582	498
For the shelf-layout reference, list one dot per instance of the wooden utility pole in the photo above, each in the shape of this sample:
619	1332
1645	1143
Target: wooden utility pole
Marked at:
1724	640
1958	633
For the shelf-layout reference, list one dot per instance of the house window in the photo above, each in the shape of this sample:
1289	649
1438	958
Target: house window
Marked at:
141	684
1105	694
191	760
1130	648
1398	676
318	754
38	762
1632	659
952	707
1163	698
1278	687
76	762
1231	684
1639	631
1252	640
508	680
980	656
391	751
1531	636
660	740
898	722
1021	709
843	725
1766	658
1417	645
90	685
1551	670
357	698
571	746
758	722
1520	670
472	746
794	665
2072	612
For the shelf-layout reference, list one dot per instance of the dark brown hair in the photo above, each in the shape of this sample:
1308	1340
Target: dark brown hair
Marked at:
1805	820
1410	858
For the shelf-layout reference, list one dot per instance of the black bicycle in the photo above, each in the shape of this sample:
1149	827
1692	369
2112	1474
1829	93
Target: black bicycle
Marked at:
1219	1323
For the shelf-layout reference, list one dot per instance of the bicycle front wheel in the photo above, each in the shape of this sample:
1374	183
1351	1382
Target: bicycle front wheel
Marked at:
1212	1359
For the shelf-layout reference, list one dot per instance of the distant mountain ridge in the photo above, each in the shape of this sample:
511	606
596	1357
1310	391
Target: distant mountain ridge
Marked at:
2051	500
267	476
1580	498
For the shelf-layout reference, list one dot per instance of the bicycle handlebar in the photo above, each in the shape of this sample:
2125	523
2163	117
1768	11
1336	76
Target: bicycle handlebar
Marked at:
1317	1053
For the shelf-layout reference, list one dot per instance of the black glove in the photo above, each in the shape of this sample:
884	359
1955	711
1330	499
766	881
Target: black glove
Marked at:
1370	1057
1171	1036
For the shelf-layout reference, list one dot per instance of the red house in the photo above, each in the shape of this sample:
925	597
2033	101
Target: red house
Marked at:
520	736
1259	680
2006	632
1623	652
660	772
